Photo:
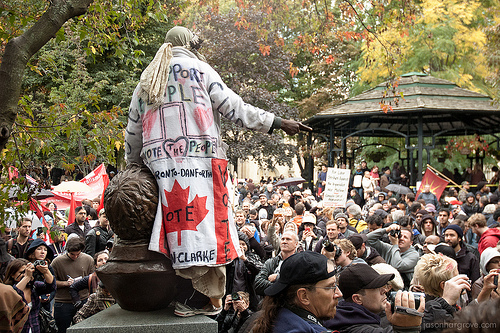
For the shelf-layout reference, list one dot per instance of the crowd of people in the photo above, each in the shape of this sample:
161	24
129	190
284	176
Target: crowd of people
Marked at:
442	253
56	278
390	262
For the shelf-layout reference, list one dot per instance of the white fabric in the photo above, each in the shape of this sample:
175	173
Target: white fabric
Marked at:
181	143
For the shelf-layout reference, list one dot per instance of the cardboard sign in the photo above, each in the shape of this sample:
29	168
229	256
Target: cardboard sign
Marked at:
337	186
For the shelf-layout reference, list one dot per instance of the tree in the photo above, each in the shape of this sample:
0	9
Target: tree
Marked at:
446	40
20	49
78	84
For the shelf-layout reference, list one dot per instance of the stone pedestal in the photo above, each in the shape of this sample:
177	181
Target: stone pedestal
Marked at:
117	320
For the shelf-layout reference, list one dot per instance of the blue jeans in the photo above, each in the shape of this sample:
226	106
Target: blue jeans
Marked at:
63	314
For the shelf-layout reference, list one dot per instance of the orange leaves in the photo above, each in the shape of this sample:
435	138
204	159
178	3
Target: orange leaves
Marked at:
404	33
386	107
329	59
293	70
264	49
280	42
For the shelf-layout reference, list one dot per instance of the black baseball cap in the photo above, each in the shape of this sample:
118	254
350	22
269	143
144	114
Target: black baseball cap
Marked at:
357	240
361	276
301	268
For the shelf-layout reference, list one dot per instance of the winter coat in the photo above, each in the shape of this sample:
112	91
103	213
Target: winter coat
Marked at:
489	238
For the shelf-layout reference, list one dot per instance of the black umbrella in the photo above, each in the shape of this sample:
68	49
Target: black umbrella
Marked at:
398	188
38	194
290	181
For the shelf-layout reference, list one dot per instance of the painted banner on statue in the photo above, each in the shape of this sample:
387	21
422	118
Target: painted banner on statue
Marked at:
97	180
336	188
195	227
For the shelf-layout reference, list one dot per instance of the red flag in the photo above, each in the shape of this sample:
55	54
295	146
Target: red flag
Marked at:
436	183
105	180
72	207
35	207
13	173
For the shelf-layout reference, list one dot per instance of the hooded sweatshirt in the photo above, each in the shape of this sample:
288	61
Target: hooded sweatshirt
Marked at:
489	238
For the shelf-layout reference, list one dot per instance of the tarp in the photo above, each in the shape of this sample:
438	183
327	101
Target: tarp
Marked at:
97	180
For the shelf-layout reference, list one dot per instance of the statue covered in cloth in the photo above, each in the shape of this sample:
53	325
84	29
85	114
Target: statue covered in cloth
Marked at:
174	128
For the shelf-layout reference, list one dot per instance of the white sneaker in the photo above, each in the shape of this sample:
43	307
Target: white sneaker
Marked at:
183	310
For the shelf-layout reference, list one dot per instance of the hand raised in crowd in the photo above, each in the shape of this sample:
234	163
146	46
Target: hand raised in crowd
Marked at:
272	277
308	233
247	230
453	288
292	127
240	305
406	300
44	269
228	303
490	290
392	239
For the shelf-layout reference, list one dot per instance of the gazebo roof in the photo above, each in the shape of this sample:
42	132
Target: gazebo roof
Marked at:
445	108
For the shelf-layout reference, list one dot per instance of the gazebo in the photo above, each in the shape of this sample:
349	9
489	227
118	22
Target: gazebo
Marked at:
430	107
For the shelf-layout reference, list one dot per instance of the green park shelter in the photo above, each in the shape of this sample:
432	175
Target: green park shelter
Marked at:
429	107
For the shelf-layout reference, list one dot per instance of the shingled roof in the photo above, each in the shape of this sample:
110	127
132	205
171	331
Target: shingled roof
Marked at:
444	107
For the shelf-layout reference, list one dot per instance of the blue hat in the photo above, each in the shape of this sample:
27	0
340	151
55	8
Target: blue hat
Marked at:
455	228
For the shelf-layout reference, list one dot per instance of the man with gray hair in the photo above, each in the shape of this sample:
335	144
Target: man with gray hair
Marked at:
355	218
268	274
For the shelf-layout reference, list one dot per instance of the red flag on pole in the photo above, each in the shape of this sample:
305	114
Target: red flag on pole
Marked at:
35	207
105	180
72	207
436	183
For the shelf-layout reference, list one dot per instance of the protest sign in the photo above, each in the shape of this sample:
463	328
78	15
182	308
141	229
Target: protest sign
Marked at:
337	185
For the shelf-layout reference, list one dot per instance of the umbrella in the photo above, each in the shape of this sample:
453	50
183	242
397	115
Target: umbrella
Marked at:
290	181
72	186
38	194
398	188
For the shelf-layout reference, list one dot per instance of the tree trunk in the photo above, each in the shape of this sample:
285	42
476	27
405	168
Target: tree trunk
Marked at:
18	52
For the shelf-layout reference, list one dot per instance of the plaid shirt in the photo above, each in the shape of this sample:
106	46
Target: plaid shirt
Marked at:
39	288
96	302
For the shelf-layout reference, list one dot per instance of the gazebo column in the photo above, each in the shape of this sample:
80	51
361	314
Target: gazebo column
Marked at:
331	151
420	146
310	181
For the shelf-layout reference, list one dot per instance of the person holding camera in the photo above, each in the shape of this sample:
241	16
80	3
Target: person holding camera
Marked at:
21	275
235	312
40	254
342	252
308	232
439	277
400	253
365	298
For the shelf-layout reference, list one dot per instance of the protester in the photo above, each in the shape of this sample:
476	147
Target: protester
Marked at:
20	274
69	267
364	291
305	293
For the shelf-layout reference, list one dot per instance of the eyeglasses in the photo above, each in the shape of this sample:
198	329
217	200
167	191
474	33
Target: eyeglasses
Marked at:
334	288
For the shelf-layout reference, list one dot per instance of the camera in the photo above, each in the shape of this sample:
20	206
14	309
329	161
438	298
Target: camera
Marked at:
395	233
392	297
235	297
39	262
332	247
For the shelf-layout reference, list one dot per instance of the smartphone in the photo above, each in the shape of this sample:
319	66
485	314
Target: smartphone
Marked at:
495	280
307	229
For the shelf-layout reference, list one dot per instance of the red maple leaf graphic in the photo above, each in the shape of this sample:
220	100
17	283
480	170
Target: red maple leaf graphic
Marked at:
181	215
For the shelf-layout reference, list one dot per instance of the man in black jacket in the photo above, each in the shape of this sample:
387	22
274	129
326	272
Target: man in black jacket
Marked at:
99	236
81	226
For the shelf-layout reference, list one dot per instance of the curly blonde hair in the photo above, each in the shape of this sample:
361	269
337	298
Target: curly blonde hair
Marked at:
432	269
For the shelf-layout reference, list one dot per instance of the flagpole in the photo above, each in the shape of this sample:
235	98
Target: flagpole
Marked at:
442	175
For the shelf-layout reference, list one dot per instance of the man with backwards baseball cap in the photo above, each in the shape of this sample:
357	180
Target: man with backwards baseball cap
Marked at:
364	291
304	294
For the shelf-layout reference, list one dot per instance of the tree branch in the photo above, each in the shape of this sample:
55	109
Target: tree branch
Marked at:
20	49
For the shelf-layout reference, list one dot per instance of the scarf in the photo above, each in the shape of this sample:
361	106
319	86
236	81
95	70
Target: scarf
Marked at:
154	78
